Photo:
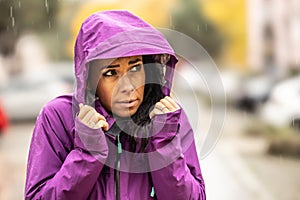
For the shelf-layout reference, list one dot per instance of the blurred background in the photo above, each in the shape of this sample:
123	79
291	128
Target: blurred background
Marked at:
254	43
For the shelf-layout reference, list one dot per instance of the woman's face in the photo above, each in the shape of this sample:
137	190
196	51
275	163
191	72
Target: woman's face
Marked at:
121	84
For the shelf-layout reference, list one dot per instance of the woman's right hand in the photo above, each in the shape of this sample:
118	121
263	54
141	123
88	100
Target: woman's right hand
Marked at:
91	118
165	105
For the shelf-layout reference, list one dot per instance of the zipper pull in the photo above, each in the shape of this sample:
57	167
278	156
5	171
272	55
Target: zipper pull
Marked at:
119	144
152	192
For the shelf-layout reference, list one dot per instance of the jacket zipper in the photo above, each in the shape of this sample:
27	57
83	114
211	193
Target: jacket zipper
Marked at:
117	169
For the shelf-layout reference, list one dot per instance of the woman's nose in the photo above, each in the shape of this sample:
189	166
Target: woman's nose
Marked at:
125	85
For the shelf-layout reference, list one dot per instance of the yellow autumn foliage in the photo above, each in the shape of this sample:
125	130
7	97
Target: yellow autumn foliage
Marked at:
230	18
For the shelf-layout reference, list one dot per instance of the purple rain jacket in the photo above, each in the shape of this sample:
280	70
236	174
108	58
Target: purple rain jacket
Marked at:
68	160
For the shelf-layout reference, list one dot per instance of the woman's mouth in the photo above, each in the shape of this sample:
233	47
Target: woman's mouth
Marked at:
128	104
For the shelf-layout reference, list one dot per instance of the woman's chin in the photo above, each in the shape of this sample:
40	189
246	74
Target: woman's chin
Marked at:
125	113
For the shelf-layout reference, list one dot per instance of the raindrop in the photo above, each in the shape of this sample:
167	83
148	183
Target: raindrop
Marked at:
11	11
171	23
198	28
47	6
49	24
11	16
13	22
205	27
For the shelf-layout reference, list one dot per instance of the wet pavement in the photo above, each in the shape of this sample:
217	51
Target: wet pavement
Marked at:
240	168
14	146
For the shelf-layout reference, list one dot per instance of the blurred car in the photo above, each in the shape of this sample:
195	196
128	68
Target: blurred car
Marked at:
24	96
283	106
253	92
3	119
205	79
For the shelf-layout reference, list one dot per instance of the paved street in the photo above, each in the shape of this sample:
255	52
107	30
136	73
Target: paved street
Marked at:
13	155
239	168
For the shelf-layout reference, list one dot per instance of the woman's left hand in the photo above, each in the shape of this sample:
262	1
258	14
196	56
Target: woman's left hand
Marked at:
165	105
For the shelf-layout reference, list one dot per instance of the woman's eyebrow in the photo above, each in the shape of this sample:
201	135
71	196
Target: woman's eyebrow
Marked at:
117	65
109	67
134	61
112	66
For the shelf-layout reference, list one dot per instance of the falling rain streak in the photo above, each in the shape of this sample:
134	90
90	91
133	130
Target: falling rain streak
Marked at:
11	11
12	17
13	22
47	6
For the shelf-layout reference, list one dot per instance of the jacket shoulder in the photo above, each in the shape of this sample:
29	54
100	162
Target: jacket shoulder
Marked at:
60	102
58	115
60	105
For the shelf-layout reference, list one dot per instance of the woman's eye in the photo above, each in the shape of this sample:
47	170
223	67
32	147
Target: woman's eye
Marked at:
109	73
136	68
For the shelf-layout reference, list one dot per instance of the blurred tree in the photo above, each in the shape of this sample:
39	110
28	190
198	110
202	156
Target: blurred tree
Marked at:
188	19
230	17
18	16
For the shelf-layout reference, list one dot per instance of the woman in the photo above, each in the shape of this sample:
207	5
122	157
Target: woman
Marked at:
120	135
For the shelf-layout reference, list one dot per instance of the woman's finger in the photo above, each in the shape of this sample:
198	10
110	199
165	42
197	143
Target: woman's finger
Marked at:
160	106
173	103
87	118
104	125
101	124
155	111
84	109
99	117
167	104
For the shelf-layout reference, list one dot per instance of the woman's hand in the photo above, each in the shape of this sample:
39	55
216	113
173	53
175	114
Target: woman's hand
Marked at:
165	105
91	118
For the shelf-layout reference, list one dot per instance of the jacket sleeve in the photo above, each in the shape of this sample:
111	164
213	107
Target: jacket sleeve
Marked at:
173	160
56	172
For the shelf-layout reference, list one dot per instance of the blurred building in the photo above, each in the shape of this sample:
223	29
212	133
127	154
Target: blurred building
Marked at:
274	36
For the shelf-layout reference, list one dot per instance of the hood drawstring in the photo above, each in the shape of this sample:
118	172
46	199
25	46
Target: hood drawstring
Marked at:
119	144
152	192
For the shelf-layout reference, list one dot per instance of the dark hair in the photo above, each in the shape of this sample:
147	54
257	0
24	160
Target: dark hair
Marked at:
152	94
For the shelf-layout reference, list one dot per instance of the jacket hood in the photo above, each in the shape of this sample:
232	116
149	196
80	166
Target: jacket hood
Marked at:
114	34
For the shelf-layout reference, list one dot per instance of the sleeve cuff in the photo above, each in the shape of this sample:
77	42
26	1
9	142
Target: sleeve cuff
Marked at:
164	129
89	139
